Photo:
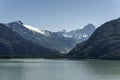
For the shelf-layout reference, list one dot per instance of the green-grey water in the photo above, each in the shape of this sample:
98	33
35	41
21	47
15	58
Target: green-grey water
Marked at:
45	69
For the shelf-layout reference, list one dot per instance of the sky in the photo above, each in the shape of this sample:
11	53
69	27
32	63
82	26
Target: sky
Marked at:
56	15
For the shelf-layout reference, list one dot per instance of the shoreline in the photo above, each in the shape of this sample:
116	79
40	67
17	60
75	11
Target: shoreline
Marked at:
57	58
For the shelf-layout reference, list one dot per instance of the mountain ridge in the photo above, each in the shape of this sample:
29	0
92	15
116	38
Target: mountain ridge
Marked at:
12	44
53	40
103	44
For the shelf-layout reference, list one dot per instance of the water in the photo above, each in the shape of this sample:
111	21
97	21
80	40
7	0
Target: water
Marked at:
45	69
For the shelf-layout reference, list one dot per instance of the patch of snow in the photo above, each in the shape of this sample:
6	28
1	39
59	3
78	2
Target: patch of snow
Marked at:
34	29
14	30
84	35
25	32
79	37
67	35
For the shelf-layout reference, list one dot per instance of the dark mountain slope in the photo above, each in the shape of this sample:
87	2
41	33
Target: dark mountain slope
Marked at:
12	44
104	43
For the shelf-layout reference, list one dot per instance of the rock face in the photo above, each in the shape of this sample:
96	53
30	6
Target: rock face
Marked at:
45	38
104	43
80	35
61	41
12	44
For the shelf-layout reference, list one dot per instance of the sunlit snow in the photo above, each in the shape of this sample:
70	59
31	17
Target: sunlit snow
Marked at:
34	29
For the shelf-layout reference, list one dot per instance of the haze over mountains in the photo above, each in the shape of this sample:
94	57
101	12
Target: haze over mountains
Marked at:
62	41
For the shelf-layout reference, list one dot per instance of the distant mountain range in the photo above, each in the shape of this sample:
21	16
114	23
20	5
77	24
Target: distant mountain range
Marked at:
13	45
103	44
62	41
80	35
19	39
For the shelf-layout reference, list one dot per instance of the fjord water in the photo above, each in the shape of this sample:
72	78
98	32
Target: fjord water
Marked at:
45	69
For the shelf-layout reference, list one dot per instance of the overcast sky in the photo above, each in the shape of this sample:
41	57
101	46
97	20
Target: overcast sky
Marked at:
55	15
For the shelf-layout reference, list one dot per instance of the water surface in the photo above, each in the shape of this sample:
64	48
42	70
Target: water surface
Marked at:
45	69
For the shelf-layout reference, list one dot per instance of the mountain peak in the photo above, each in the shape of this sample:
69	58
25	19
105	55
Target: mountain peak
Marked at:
18	22
64	31
90	25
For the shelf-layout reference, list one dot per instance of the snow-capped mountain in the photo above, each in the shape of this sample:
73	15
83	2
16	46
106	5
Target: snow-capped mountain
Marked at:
62	41
36	30
44	38
13	45
15	25
80	34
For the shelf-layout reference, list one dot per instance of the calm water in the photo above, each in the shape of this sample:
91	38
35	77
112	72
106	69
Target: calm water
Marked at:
43	69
